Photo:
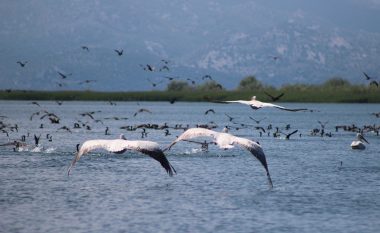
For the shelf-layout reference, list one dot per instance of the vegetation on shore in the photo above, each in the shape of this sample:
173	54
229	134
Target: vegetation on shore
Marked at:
335	90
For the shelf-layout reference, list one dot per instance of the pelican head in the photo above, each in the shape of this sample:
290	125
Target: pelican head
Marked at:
253	97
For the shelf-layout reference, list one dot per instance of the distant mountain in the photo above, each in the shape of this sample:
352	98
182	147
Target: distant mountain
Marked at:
279	42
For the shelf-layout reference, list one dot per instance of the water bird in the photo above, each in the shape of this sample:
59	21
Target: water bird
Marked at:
274	98
141	110
257	121
359	142
287	136
63	76
85	48
65	128
35	103
255	104
207	76
119	146
374	83
87	81
226	141
119	52
22	64
367	77
230	118
154	84
210	110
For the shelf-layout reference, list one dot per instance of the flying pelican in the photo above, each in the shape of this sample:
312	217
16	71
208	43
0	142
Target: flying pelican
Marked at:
358	144
120	145
226	141
22	64
255	104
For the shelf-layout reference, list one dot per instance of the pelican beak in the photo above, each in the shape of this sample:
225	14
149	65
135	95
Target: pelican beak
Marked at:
365	140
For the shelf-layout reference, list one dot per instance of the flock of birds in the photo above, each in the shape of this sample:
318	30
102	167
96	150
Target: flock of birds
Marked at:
162	66
223	140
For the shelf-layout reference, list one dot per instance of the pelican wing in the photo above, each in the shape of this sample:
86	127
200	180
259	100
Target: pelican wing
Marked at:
153	150
116	146
193	133
256	151
120	145
283	108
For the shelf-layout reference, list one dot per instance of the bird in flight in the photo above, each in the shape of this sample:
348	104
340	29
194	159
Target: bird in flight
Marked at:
274	98
85	48
22	64
119	52
63	76
255	104
226	141
121	145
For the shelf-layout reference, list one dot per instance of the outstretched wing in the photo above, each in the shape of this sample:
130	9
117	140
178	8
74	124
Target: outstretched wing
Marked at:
153	150
193	133
256	151
116	146
283	108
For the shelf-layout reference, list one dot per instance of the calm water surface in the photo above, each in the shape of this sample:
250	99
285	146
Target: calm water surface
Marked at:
320	184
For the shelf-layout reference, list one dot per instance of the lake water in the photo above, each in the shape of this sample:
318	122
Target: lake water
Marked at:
320	183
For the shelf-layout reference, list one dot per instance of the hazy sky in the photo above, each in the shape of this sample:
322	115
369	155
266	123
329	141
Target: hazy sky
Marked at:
48	31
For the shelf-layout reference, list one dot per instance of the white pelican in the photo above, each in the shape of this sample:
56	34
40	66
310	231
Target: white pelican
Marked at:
120	145
226	141
358	144
255	104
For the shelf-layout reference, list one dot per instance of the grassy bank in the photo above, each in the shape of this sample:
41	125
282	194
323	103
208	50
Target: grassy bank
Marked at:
353	94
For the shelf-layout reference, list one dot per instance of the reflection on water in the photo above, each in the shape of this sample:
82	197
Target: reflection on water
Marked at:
320	184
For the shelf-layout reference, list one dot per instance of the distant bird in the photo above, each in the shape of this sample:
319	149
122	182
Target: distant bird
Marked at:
65	128
367	77
121	145
164	68
323	124
374	83
255	104
112	103
119	52
230	118
173	100
287	136
63	76
106	132
16	144
36	103
59	102
154	84
257	121
209	110
358	143
274	98
226	141
191	80
37	139
275	57
207	76
85	48
87	81
141	110
22	64
170	78
148	67
90	114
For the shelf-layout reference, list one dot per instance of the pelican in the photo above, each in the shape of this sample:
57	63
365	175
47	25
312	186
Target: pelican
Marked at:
255	104
120	145
358	143
226	141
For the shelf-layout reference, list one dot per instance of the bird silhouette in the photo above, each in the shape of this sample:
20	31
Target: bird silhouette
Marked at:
22	64
119	52
63	76
274	98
